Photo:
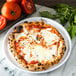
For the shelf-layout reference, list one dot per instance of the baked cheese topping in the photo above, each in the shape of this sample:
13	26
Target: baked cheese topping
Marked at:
38	44
49	37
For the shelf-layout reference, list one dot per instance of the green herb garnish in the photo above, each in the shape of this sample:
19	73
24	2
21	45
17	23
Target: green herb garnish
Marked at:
42	26
38	38
23	44
47	14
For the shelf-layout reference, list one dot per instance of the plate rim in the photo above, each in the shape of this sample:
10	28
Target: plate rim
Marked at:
45	71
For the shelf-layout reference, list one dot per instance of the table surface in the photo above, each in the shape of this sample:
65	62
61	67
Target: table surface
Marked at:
68	69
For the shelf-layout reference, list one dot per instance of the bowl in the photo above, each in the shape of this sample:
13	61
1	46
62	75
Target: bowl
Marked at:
58	26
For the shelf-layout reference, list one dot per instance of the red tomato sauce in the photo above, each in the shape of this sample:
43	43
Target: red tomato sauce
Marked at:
37	26
22	55
33	62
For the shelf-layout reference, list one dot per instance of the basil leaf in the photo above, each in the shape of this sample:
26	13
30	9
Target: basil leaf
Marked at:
61	6
47	14
72	31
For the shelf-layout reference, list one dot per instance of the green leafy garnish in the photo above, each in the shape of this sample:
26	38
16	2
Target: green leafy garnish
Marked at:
38	38
47	14
72	31
23	44
42	26
66	14
60	6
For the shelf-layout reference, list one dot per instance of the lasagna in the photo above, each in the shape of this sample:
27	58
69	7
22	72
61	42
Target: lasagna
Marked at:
36	45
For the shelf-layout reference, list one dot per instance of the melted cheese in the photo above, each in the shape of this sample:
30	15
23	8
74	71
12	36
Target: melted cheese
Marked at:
18	35
49	37
39	52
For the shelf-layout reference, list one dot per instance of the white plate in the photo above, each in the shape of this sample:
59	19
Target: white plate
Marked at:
58	26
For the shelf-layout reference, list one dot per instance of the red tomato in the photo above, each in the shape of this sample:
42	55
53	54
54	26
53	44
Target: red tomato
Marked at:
11	10
27	6
2	22
18	1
